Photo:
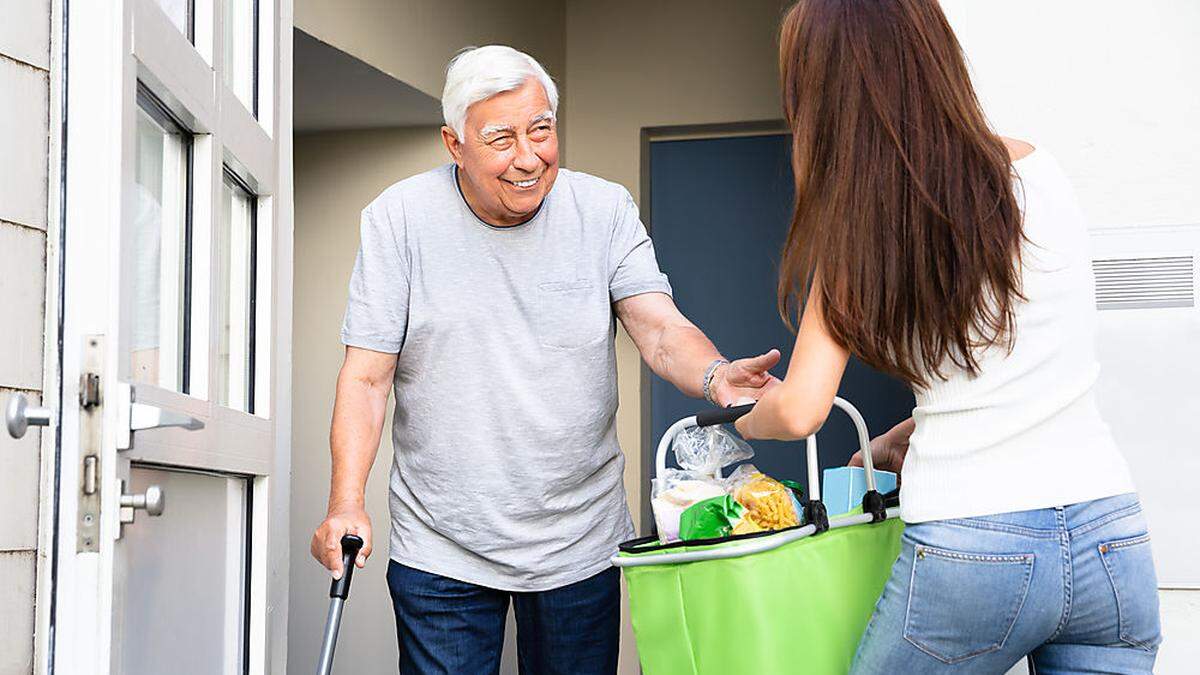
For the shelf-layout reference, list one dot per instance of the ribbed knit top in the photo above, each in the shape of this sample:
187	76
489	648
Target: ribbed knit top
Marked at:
1025	432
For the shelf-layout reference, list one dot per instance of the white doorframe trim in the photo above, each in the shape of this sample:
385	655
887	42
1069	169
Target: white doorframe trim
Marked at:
279	75
51	382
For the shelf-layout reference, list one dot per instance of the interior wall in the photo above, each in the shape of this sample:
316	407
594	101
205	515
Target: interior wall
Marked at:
336	175
412	40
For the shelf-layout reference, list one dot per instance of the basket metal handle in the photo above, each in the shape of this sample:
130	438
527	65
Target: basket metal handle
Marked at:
726	415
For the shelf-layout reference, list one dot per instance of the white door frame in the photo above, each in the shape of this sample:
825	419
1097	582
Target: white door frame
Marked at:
111	46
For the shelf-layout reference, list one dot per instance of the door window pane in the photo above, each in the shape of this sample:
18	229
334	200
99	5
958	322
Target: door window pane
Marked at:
181	13
236	243
160	232
241	47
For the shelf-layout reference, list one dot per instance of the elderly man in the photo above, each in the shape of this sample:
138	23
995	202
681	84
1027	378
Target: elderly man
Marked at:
484	295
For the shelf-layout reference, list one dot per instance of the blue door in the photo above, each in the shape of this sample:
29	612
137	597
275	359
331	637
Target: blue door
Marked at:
719	214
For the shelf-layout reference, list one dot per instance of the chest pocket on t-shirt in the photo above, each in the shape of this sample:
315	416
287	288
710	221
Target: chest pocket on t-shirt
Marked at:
572	314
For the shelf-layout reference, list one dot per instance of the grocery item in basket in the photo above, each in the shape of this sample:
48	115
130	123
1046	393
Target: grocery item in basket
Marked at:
842	489
796	488
675	491
709	449
711	518
768	503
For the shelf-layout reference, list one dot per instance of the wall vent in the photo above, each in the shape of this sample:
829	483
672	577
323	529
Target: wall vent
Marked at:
1145	283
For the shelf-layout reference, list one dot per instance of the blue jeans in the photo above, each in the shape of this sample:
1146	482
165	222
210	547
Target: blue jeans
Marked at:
1073	587
447	626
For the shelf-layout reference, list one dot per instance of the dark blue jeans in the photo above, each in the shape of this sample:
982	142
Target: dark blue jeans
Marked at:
446	626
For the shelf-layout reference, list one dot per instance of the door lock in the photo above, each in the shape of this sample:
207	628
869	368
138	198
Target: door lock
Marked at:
153	501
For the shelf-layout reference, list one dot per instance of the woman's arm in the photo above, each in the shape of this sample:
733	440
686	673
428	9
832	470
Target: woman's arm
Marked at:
798	407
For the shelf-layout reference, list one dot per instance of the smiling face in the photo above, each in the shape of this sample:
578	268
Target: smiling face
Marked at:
508	158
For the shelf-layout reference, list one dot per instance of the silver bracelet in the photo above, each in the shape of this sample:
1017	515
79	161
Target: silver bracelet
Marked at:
708	376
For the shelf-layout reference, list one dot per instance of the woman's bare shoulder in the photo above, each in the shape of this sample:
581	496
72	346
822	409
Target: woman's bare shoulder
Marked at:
1017	149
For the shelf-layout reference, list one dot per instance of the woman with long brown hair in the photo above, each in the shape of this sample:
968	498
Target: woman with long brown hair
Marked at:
935	250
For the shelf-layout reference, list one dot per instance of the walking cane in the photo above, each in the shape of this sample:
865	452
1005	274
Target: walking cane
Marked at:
339	590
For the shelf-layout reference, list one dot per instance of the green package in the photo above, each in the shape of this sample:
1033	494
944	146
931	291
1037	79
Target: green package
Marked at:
796	488
710	518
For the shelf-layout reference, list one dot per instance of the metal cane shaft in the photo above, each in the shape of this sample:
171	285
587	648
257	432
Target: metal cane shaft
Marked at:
332	622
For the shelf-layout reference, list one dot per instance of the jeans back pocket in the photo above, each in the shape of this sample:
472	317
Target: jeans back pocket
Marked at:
1130	568
961	605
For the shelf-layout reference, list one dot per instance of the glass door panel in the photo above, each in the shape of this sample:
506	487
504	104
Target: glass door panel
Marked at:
158	348
182	13
240	48
236	243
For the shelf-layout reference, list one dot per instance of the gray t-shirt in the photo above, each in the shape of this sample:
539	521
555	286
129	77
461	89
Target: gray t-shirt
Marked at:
507	472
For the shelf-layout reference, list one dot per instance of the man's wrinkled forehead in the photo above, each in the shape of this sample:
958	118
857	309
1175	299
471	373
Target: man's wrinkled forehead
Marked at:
494	129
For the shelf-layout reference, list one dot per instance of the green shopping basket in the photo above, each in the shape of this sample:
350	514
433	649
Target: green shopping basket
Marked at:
792	601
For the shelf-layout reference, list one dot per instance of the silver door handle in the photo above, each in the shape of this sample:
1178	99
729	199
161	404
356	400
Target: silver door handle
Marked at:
153	501
142	416
133	417
19	415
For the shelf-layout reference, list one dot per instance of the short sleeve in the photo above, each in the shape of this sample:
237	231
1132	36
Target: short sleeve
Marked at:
377	308
633	268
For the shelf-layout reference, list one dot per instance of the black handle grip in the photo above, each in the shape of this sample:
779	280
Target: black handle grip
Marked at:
716	416
351	544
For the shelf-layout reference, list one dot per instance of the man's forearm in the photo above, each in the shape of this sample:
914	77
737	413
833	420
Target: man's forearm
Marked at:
679	352
358	413
681	355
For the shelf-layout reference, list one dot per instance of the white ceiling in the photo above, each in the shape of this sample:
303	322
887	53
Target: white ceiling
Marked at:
334	90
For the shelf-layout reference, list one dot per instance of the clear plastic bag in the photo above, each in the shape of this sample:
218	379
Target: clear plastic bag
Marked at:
709	449
673	492
769	504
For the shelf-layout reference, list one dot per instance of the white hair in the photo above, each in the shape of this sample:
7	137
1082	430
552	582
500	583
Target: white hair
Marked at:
479	73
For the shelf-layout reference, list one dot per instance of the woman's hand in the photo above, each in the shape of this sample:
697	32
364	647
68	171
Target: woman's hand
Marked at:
888	450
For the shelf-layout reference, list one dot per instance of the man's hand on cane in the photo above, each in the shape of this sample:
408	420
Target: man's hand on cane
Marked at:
326	543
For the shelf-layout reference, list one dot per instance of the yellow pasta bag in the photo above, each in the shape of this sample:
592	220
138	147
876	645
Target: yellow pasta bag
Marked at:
769	504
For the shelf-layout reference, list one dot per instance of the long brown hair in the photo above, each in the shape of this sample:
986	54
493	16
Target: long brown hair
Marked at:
904	195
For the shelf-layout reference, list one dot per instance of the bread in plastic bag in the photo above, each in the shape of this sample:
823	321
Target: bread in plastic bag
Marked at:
709	449
675	491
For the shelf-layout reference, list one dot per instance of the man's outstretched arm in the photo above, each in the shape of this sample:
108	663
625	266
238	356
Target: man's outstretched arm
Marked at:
679	352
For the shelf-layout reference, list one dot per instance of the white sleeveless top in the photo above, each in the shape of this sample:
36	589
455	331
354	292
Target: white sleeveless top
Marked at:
1025	433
